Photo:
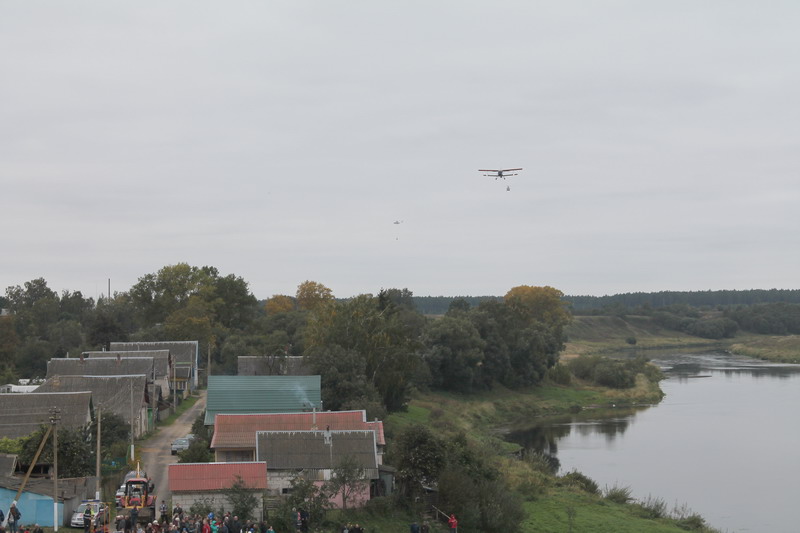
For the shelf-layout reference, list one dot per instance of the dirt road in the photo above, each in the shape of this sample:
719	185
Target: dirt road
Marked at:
156	451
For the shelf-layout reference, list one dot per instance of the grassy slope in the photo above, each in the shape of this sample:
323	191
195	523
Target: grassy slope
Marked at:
548	502
607	334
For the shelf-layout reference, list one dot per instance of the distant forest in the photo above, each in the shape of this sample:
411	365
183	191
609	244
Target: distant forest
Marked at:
582	305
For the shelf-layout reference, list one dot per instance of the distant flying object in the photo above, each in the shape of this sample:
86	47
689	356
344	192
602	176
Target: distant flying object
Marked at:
397	222
497	174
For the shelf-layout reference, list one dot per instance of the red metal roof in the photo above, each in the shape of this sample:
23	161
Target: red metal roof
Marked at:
216	476
239	431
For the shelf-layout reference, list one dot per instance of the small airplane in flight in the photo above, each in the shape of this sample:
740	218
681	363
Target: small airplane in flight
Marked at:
499	173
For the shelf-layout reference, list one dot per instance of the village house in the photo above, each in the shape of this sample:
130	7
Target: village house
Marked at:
313	455
22	414
101	366
261	394
206	483
184	354
161	362
235	434
126	396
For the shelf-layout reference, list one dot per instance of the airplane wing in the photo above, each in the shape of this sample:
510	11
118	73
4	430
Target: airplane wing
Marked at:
510	169
487	170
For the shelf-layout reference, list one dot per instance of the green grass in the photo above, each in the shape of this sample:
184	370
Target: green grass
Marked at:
783	349
551	514
394	522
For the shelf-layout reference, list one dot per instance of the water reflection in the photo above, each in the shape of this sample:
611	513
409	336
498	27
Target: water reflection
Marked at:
544	435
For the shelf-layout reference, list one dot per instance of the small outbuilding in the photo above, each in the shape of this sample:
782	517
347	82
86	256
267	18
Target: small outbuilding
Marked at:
208	483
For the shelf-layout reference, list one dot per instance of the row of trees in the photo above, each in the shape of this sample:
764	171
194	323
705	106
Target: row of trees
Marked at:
370	350
438	305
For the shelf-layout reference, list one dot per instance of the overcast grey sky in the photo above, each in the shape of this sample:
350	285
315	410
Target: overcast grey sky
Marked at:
280	140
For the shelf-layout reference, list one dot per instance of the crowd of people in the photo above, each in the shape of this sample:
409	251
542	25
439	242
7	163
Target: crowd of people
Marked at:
179	521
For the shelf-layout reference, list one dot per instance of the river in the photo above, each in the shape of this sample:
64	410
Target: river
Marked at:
725	442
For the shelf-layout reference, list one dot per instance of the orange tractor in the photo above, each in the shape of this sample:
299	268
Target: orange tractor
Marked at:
139	494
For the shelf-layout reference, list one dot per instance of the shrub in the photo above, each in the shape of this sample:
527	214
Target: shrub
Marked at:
380	506
653	507
618	494
542	462
693	522
614	373
687	519
581	481
559	374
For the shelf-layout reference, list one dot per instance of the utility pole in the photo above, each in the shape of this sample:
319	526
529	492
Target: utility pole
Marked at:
132	451
54	418
97	463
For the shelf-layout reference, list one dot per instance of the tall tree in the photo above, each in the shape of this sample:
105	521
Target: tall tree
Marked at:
454	353
378	336
279	303
9	340
156	296
235	306
540	304
419	456
312	295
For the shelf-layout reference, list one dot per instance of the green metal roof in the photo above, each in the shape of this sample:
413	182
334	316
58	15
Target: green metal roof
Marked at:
261	394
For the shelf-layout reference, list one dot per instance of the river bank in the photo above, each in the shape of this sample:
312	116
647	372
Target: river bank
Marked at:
552	503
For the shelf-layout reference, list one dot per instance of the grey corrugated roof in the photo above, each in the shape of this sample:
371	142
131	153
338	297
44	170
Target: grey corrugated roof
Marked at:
68	488
261	394
160	358
22	414
108	392
182	351
293	450
262	365
100	366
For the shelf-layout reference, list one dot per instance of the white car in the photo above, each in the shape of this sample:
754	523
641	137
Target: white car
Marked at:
77	516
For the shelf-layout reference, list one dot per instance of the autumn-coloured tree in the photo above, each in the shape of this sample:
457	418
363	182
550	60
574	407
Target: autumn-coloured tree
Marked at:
539	304
311	295
279	303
